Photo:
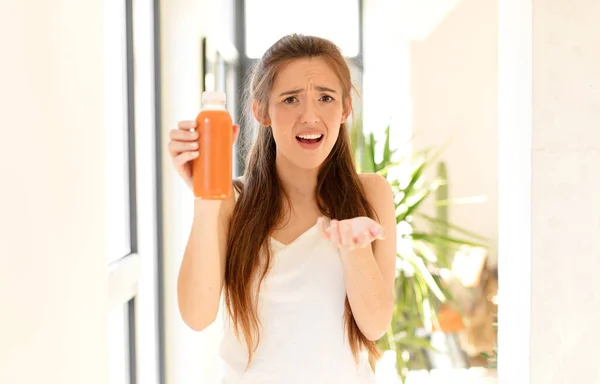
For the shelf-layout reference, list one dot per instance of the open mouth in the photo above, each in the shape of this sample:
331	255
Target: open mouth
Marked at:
310	139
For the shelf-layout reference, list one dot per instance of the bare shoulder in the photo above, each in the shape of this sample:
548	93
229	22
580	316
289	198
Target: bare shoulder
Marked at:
377	188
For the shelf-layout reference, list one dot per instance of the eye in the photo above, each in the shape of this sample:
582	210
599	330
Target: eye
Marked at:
326	98
290	100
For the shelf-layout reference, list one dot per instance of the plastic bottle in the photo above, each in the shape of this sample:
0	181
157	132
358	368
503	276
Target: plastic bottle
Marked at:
212	169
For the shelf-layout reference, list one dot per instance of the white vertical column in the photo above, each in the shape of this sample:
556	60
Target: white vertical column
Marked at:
514	184
549	115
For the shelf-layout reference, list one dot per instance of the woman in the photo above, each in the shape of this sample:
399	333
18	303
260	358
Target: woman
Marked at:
299	250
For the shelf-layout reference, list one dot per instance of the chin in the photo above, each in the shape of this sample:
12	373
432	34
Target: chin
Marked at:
309	164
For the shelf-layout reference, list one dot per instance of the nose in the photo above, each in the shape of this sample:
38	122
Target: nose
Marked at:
309	114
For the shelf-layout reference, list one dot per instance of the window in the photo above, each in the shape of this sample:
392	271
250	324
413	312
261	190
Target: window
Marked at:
269	20
118	324
118	111
132	191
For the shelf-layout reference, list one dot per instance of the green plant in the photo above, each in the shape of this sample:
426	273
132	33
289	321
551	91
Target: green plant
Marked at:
441	195
423	253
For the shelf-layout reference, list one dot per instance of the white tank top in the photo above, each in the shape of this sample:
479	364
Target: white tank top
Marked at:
301	307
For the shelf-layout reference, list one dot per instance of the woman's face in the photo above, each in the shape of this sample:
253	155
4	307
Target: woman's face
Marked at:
305	111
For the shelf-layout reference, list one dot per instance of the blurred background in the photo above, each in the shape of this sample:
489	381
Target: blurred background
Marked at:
483	114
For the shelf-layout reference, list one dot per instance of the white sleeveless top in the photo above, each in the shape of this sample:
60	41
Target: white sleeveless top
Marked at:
301	307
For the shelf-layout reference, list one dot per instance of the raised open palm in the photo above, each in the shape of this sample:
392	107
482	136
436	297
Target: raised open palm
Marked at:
351	233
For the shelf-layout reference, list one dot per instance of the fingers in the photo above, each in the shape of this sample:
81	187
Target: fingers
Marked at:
377	231
184	157
177	147
182	140
186	125
183	144
334	234
347	234
364	239
183	135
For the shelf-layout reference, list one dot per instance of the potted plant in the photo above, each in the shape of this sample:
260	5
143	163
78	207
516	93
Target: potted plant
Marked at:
423	301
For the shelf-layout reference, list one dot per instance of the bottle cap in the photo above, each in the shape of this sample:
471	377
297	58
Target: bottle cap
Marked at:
214	97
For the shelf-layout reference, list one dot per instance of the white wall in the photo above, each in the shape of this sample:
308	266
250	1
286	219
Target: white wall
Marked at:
53	286
565	311
454	94
431	73
191	356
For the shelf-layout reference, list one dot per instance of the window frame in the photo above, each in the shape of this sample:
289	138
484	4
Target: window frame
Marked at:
141	289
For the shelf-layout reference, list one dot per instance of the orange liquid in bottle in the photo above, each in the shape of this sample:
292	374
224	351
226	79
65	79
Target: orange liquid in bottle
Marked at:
212	169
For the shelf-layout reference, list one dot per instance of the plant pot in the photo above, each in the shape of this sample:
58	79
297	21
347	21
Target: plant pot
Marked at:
450	320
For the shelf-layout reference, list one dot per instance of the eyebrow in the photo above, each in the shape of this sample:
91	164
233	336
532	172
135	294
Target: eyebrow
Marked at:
296	91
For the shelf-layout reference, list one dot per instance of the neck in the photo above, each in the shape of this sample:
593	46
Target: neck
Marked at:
298	182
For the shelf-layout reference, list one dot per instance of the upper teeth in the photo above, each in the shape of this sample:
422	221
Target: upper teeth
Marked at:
310	136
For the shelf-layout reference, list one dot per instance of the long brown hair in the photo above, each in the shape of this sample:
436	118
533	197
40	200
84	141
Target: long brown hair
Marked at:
260	206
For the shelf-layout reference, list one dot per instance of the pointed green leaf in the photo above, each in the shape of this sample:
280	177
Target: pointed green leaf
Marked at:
387	154
368	155
463	200
373	149
401	366
427	278
412	207
422	250
453	227
416	342
438	239
414	178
